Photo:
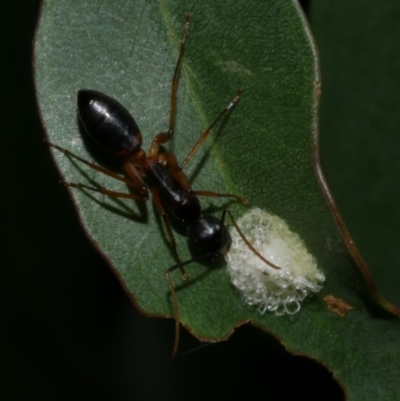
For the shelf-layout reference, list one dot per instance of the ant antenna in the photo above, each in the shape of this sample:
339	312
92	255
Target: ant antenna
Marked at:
175	76
208	130
246	241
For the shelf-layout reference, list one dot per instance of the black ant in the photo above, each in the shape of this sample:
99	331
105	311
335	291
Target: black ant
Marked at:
109	124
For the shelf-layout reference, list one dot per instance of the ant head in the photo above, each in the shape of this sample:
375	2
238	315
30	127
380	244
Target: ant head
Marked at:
210	236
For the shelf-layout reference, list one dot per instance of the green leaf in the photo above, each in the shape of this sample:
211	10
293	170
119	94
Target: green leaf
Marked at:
262	151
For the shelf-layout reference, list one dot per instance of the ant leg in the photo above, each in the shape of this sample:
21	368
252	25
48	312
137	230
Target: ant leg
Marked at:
131	170
164	215
208	130
176	313
159	206
175	298
219	195
106	192
132	182
246	241
166	136
169	159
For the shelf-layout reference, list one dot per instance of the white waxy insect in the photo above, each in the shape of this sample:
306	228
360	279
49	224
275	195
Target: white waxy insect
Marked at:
280	291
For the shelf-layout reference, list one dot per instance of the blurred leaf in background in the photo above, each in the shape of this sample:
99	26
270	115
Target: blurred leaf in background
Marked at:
360	125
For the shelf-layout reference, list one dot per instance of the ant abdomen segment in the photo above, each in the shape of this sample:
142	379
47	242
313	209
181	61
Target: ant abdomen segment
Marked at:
108	123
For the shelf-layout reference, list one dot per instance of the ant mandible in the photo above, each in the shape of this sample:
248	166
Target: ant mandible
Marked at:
109	124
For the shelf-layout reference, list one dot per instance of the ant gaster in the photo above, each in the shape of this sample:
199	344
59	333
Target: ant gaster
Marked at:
109	124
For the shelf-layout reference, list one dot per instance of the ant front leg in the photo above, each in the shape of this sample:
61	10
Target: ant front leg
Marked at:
175	298
176	312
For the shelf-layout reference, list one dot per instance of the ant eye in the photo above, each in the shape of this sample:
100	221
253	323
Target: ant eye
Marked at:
280	291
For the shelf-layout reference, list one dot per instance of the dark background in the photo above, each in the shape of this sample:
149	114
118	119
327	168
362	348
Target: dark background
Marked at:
67	330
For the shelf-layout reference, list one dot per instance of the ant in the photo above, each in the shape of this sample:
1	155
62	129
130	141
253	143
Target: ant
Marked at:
112	127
